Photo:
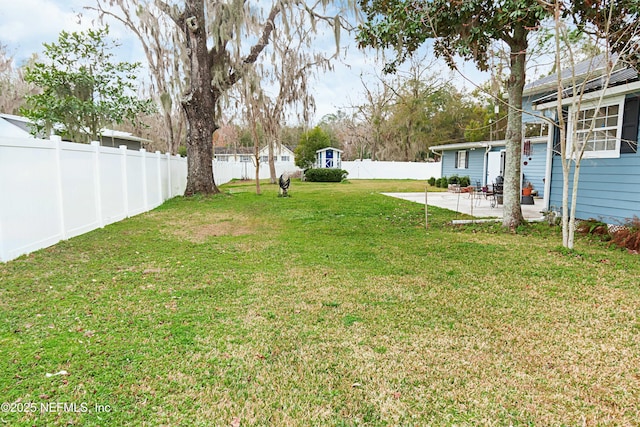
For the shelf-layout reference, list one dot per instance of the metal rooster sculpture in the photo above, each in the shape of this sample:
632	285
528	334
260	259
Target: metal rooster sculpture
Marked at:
284	185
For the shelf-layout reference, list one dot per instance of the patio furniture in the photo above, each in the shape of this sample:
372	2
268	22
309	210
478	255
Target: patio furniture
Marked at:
495	192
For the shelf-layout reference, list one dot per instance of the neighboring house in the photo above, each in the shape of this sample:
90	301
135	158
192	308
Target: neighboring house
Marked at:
246	154
280	154
329	158
609	184
18	126
116	138
231	154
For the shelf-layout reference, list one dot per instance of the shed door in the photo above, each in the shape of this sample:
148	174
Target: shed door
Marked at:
495	164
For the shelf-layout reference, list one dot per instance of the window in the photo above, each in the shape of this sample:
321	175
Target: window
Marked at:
598	129
264	159
534	130
285	158
462	160
245	159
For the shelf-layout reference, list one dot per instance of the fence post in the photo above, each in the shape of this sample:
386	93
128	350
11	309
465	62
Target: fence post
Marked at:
169	184
4	256
57	141
159	175
125	180
145	196
96	181
426	208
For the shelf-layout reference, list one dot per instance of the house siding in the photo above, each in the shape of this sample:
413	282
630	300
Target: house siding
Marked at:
608	189
475	161
535	169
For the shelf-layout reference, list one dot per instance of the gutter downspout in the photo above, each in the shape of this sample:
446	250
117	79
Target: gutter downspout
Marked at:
441	157
547	172
485	166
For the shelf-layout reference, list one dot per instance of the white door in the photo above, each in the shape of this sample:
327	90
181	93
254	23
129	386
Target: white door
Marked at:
494	165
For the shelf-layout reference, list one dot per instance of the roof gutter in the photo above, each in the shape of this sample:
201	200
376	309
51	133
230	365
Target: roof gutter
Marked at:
611	91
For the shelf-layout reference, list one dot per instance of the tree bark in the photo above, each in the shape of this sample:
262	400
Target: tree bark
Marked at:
199	104
512	213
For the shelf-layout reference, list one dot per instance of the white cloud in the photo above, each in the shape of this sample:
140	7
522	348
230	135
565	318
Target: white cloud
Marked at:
25	25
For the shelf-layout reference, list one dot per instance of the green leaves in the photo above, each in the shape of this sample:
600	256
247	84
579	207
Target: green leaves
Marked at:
465	28
310	141
81	89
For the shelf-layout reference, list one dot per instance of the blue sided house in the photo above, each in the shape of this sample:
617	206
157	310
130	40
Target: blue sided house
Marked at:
484	161
605	123
609	185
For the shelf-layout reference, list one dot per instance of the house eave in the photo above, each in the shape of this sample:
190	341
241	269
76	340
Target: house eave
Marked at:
591	96
466	145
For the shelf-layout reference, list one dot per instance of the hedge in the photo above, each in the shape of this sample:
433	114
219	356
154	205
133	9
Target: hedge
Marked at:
325	175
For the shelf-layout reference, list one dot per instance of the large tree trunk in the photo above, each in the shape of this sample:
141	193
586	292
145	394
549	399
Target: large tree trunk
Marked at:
199	105
512	213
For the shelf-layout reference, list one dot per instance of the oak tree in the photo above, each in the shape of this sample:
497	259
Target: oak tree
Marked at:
466	28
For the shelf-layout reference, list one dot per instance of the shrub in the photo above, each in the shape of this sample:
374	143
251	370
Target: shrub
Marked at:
432	181
442	182
628	236
592	226
465	181
454	179
325	175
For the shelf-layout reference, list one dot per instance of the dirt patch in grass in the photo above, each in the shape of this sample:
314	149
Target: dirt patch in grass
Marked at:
198	227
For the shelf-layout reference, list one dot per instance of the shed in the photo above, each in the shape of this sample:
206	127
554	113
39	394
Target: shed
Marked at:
329	158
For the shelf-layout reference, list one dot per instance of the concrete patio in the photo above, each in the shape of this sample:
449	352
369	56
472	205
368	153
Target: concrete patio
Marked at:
467	203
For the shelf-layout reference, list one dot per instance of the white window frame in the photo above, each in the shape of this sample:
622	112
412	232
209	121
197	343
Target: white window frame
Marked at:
604	153
462	159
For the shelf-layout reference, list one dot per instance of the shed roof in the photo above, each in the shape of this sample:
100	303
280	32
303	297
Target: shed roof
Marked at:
329	148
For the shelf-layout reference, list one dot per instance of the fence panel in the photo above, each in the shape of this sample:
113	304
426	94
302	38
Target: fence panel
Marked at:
54	190
112	181
367	169
30	211
78	184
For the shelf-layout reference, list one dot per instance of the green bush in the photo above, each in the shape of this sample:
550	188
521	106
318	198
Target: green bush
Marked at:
442	182
325	175
454	179
432	181
465	181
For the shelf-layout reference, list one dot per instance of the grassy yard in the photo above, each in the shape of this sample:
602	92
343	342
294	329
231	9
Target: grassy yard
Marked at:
333	307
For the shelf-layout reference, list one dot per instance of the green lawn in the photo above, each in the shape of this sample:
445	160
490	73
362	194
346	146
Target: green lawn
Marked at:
333	307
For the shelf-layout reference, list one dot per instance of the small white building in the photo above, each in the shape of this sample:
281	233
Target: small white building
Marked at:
329	158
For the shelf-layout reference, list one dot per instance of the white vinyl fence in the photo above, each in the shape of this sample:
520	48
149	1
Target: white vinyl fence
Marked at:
367	169
54	190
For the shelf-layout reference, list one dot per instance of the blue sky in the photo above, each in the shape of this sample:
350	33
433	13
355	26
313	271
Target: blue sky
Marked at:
26	24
